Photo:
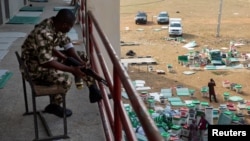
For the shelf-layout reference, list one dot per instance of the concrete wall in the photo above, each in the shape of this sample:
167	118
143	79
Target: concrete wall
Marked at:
14	6
9	8
107	13
1	13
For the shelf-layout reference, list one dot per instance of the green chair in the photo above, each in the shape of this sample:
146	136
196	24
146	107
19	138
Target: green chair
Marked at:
204	91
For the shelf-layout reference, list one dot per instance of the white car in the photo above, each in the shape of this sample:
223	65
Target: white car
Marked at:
175	27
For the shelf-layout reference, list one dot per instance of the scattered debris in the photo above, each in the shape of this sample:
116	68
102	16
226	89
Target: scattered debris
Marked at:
157	29
190	45
188	72
127	28
128	43
164	27
160	71
130	53
170	68
140	29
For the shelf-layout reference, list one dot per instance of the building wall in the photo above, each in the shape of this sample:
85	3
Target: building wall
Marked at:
9	8
107	13
1	13
14	6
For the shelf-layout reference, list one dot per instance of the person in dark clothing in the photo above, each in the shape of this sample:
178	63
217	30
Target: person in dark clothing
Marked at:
202	127
193	131
211	85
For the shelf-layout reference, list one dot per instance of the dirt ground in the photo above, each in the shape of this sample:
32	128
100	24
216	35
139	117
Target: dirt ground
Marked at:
200	24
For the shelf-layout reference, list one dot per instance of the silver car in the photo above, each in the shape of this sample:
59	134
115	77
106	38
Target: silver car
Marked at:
163	18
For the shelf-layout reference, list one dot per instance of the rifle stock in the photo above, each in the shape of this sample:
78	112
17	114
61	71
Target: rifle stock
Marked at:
87	71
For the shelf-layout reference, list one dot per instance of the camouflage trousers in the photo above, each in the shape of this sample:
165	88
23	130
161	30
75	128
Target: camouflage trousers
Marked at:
62	78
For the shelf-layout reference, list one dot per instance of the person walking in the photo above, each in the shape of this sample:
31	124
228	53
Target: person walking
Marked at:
211	85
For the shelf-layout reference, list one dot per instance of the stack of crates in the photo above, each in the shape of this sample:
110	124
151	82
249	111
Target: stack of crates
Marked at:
216	113
222	108
248	107
191	92
204	91
184	111
226	84
203	105
238	88
176	130
248	110
176	120
184	115
226	96
185	132
191	113
166	136
197	104
144	96
170	68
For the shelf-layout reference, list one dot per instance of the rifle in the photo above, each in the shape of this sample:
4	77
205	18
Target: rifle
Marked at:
87	71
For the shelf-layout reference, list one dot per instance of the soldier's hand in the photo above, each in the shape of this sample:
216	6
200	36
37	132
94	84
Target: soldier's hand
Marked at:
77	71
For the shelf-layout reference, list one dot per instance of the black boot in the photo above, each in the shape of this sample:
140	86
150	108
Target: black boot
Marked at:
57	110
215	99
94	93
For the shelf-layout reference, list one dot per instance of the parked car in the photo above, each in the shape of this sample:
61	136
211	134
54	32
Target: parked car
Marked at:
141	18
175	27
163	18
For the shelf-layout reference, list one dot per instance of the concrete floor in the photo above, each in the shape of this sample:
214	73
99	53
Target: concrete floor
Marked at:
85	123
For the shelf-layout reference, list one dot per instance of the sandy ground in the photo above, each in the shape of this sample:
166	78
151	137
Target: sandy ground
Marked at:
200	24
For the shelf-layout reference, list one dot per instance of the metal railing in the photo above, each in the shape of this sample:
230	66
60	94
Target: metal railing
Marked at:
113	114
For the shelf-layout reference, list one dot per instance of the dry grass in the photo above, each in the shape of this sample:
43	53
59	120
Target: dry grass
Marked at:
200	20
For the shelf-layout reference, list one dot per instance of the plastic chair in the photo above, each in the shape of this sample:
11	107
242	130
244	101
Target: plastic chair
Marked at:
204	91
38	91
170	68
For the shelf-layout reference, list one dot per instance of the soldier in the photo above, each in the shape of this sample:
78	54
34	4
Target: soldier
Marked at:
211	85
45	62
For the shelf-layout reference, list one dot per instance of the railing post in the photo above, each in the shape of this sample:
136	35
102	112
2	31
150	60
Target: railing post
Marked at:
117	103
121	119
82	16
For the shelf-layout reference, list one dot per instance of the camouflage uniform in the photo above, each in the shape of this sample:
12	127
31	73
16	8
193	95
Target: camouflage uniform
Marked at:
37	49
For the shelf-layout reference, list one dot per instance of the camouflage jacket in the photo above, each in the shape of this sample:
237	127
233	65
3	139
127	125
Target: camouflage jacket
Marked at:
38	46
